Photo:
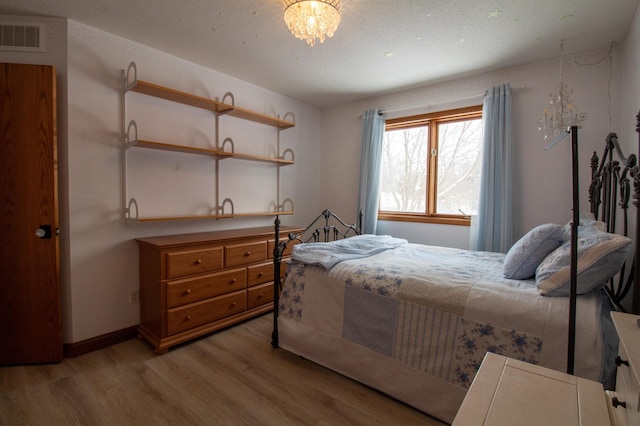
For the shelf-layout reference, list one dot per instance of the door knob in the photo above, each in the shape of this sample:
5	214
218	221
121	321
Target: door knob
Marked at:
44	232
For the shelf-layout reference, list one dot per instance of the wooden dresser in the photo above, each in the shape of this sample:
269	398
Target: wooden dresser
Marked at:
193	284
626	398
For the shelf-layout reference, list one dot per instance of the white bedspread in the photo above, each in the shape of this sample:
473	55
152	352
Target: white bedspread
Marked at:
437	311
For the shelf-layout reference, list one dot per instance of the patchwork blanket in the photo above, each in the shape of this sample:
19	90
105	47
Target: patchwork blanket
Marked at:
438	310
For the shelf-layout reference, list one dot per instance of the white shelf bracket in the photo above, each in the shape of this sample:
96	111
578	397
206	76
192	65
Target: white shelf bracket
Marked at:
127	136
281	207
285	152
128	84
292	115
224	142
226	202
128	210
230	95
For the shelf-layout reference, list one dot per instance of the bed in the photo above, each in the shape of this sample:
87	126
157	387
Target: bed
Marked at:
415	321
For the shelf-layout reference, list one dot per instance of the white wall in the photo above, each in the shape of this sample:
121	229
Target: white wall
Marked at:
630	98
543	187
99	260
104	259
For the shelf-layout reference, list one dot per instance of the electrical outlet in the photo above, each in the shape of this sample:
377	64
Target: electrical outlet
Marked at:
134	296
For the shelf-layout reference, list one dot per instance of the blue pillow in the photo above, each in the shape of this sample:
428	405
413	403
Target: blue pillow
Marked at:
587	224
600	257
525	255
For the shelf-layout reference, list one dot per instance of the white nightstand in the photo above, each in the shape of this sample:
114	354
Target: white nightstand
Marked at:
510	392
627	394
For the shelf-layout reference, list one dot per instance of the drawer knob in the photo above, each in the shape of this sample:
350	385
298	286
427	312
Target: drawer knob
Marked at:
233	281
261	274
187	292
620	361
248	253
198	262
617	403
187	318
260	296
233	304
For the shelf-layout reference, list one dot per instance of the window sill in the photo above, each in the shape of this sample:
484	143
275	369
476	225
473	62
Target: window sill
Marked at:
422	218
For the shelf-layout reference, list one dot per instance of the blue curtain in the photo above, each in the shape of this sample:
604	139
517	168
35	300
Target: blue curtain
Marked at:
370	157
492	228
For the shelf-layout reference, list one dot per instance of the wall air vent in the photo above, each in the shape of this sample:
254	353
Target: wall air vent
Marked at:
23	38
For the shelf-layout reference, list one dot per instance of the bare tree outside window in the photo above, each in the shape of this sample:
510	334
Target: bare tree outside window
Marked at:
431	167
404	170
459	154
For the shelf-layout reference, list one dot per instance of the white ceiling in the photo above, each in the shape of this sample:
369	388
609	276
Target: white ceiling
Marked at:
380	45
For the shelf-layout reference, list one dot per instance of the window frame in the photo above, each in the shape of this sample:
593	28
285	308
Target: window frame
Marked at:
431	120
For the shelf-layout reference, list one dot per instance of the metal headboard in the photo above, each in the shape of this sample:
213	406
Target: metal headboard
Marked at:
609	196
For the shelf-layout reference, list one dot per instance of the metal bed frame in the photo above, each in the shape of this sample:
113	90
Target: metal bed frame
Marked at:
330	230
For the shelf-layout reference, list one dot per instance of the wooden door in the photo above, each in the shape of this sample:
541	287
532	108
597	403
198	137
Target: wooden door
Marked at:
30	318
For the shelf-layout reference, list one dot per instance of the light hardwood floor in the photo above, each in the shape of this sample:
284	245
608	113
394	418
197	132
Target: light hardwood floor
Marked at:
232	377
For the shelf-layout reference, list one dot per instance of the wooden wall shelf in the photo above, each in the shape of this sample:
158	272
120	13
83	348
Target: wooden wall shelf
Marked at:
260	118
165	93
205	151
178	148
220	216
132	84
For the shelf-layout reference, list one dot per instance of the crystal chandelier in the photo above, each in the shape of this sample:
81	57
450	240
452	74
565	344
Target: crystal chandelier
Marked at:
561	113
312	19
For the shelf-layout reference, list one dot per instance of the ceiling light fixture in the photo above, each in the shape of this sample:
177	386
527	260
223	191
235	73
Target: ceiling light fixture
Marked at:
312	19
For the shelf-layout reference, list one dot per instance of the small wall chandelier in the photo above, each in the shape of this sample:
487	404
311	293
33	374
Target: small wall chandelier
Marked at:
560	114
312	19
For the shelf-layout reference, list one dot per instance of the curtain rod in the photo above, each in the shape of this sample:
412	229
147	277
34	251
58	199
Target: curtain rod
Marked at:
386	111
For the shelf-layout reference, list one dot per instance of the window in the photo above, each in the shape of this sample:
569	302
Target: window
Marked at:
431	167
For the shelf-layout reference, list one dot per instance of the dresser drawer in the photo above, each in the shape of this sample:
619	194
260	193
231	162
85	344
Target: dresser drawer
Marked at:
191	290
259	295
259	274
617	415
205	311
243	254
184	263
627	388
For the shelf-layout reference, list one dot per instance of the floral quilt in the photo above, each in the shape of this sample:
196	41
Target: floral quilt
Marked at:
439	310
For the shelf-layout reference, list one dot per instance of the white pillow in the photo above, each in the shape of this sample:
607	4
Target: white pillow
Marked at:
525	255
600	257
